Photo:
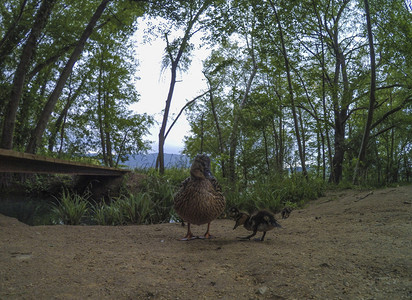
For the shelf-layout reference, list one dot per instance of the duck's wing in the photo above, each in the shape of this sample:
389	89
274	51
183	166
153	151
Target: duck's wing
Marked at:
182	190
184	183
216	186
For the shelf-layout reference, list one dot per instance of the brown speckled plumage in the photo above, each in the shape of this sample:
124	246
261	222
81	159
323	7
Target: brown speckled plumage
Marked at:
199	199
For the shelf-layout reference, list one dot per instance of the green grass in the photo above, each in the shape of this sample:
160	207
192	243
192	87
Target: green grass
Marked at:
135	208
107	214
71	208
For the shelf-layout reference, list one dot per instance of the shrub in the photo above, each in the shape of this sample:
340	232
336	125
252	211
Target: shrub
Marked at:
126	209
161	192
71	208
135	208
107	214
274	193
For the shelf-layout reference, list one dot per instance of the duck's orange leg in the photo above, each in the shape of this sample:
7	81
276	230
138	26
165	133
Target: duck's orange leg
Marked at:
189	235
207	235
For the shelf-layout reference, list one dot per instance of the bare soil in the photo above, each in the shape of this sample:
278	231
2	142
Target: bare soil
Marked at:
346	245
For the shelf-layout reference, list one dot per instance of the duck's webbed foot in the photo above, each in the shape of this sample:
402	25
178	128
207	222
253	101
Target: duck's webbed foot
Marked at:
207	235
262	238
247	237
189	235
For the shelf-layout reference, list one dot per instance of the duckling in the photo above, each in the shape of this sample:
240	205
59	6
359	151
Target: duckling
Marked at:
261	220
199	199
286	212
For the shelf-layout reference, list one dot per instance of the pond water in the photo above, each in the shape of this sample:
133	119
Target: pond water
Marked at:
29	210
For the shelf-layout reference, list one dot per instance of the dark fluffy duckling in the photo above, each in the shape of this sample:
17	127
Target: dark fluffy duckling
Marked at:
199	199
261	221
286	212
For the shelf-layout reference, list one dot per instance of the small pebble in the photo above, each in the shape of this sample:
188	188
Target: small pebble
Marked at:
262	290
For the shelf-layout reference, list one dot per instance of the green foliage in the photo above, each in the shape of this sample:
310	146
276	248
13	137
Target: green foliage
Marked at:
71	208
274	193
104	71
107	214
131	209
37	183
152	203
93	112
161	192
136	208
331	111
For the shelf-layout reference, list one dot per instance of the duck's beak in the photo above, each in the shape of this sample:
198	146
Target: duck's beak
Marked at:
276	224
236	225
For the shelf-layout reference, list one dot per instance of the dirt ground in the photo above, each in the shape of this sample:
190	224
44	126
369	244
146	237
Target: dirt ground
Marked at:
346	245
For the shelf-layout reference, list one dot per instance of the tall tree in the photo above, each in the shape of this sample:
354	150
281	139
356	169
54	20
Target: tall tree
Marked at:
54	96
15	27
61	120
372	100
21	72
222	147
290	89
190	13
246	30
233	139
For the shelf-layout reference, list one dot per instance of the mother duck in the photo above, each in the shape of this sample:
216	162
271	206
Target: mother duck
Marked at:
199	199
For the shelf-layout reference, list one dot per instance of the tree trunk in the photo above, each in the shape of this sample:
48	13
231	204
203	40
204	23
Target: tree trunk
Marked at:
108	145
292	98
340	108
164	122
26	106
265	144
54	96
202	133
59	123
63	115
182	110
101	128
218	130
372	100
279	141
339	145
106	130
100	111
21	72
341	114
174	63
325	110
233	140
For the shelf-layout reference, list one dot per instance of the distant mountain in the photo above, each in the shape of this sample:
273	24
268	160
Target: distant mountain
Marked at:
146	161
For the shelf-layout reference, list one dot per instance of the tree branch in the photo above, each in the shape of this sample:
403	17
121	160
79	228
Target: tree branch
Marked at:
392	111
183	108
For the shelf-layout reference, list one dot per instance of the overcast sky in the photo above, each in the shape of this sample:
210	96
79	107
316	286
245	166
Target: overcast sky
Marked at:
153	87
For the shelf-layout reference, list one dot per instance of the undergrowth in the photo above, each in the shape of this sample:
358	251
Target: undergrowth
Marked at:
153	202
275	193
71	208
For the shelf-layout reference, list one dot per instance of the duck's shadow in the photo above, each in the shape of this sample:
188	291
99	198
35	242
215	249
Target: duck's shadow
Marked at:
219	243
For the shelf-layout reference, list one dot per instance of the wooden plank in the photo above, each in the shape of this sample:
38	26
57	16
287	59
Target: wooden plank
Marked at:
18	162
